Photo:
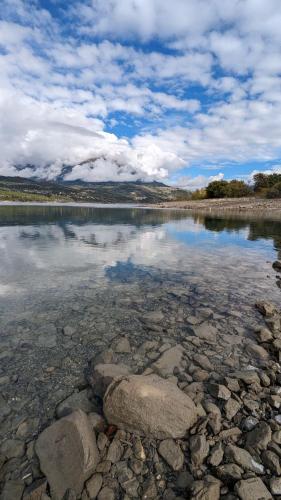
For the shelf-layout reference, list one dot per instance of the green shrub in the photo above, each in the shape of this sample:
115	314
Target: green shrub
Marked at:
274	191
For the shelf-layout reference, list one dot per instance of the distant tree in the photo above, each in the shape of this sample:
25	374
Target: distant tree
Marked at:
260	181
199	194
238	189
217	189
274	191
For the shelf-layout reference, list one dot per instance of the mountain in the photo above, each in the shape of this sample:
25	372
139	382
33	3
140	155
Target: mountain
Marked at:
22	189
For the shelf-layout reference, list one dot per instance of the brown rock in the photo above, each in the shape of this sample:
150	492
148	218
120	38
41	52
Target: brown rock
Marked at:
68	453
253	488
169	360
199	449
171	452
149	405
103	374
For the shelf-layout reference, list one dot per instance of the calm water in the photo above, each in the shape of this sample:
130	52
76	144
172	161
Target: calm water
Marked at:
101	271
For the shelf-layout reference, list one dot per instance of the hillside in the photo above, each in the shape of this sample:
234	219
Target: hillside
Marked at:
22	189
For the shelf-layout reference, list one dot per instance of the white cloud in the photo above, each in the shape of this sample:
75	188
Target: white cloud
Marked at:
59	90
197	182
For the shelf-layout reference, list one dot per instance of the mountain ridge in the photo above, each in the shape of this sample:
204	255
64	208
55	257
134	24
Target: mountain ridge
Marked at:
18	188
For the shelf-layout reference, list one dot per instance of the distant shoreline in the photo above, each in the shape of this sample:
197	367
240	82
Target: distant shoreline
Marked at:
222	205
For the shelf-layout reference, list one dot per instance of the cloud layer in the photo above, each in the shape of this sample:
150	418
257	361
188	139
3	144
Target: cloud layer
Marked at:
134	89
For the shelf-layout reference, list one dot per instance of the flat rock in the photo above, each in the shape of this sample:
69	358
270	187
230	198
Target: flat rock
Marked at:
103	374
205	331
247	376
121	345
253	488
68	453
243	458
76	401
149	405
259	437
171	452
207	489
168	361
199	449
231	407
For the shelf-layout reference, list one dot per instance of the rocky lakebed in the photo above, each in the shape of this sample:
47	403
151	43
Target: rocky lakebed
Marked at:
191	415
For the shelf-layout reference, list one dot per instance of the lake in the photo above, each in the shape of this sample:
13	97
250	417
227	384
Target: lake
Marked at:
73	278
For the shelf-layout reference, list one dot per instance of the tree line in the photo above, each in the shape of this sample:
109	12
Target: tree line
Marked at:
264	185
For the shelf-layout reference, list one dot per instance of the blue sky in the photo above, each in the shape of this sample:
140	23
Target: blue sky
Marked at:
182	92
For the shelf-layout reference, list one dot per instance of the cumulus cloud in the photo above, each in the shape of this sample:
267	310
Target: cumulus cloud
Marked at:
209	91
199	181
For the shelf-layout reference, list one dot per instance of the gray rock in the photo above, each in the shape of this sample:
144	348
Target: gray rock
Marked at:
149	405
229	472
266	308
93	485
115	451
102	441
168	361
36	490
12	490
68	453
106	494
259	437
12	448
247	376
206	331
271	462
131	487
243	458
172	454
149	490
253	488
68	331
231	407
76	401
207	489
219	391
199	449
275	485
97	422
277	265
249	423
216	455
203	361
257	351
103	374
121	345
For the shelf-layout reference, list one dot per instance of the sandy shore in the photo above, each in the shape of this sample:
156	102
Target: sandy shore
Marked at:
256	205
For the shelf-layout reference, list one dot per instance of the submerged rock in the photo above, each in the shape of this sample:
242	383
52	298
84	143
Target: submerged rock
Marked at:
103	374
169	360
150	406
67	453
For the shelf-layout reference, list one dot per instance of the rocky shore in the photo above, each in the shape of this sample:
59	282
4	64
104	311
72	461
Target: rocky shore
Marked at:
162	420
240	205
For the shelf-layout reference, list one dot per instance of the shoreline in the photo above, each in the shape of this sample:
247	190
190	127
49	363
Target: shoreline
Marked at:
224	205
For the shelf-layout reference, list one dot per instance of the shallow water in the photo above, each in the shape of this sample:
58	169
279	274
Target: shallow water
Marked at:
101	271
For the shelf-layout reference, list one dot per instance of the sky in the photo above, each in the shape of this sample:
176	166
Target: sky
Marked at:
182	91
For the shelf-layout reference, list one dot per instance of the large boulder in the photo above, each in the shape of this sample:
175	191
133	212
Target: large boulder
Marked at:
102	375
68	453
149	405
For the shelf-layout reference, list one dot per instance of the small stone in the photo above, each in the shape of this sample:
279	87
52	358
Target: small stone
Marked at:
232	384
259	437
171	452
122	346
219	391
168	361
12	448
229	472
97	422
275	485
199	449
102	376
35	490
247	376
76	401
68	331
243	458
102	441
266	308
93	485
184	480
115	451
12	490
106	494
249	423
277	265
231	407
257	351
131	487
216	455
271	462
253	488
149	489
264	335
207	489
104	467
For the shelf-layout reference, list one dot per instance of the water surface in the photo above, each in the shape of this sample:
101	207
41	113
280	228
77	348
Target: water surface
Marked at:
101	271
